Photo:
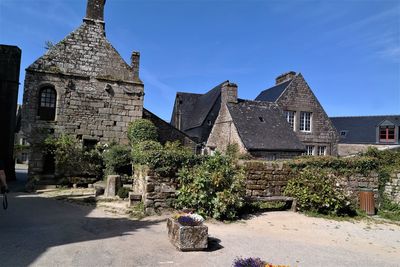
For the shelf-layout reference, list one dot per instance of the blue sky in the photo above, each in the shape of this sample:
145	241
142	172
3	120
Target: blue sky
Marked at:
348	51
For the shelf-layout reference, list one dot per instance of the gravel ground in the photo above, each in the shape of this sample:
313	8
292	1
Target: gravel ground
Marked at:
39	231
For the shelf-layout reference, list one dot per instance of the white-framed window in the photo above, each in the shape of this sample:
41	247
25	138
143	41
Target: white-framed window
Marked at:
321	150
290	116
309	150
305	121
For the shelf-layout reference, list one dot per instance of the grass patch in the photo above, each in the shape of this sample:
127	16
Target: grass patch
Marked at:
137	211
389	210
390	215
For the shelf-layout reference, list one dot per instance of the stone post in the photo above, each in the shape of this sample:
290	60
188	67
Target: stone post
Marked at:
112	186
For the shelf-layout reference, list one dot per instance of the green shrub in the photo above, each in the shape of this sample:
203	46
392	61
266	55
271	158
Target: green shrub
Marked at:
388	162
71	159
213	188
142	152
92	163
337	165
141	130
117	160
123	192
164	160
317	191
232	151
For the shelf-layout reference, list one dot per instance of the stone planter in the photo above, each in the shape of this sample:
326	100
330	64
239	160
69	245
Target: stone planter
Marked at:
187	238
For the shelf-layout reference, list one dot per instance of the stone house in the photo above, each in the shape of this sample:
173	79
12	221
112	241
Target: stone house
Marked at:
304	113
81	87
196	115
357	133
258	128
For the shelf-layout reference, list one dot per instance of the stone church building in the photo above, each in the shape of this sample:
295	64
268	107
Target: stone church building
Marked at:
83	87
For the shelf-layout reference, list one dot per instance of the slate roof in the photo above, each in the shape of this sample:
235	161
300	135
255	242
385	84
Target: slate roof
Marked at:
273	93
271	132
195	107
361	130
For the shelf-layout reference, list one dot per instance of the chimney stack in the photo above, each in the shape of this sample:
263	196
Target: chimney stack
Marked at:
95	10
285	77
229	93
135	59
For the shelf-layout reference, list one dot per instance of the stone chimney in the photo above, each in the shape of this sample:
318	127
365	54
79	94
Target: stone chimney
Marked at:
95	10
285	77
135	59
229	93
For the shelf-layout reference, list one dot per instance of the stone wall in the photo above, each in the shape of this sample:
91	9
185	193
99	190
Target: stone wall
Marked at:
352	149
299	97
10	59
392	188
157	192
224	132
263	179
267	179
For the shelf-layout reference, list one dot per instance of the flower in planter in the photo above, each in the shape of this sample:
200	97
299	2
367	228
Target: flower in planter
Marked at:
188	219
253	262
198	218
248	262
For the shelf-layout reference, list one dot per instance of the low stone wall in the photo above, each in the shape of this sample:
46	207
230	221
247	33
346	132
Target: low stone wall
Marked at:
269	178
266	178
157	192
392	188
355	183
263	179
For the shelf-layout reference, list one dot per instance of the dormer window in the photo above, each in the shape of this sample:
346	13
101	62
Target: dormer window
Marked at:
387	134
47	103
261	119
343	133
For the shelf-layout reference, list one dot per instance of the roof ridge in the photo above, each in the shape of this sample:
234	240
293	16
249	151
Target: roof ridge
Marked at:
179	92
366	116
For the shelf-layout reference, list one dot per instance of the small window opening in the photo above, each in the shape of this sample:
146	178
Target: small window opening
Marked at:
261	119
89	144
115	123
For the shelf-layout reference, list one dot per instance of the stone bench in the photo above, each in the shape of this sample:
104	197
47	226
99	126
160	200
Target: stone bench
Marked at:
290	201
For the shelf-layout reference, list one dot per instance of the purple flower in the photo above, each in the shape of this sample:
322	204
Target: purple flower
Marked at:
248	262
187	221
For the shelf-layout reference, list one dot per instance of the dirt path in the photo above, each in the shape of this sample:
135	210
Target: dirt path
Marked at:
39	231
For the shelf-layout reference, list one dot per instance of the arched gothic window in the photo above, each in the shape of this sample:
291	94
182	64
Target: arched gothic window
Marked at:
47	104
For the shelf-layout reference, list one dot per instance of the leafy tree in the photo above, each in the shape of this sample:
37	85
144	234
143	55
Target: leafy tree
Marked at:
141	130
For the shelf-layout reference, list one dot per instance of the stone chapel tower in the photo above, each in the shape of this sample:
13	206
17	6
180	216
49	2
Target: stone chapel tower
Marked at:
81	87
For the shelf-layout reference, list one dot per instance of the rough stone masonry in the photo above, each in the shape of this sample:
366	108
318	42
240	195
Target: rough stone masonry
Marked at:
93	91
